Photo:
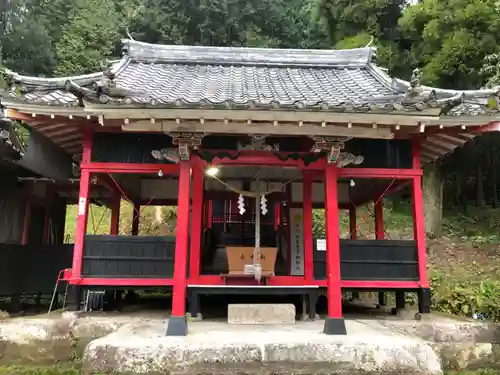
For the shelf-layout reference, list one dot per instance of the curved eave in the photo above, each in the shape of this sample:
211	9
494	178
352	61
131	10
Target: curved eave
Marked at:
41	83
436	146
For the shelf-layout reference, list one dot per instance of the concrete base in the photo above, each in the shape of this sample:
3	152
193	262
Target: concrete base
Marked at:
334	326
177	326
135	342
218	348
261	313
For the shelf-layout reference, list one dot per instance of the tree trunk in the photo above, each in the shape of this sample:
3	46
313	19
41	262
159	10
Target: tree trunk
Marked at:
493	168
158	217
480	201
432	187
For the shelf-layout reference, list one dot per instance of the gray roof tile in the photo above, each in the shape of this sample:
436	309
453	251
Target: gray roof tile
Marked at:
192	76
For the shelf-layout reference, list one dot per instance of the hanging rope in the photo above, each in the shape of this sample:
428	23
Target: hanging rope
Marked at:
363	217
135	212
257	267
94	226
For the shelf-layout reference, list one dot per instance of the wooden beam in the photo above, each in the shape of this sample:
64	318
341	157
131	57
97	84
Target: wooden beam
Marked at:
230	127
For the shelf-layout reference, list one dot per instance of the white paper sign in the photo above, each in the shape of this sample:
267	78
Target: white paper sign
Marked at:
82	202
297	242
321	245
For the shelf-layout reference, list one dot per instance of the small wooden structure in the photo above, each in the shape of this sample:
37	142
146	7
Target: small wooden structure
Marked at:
318	130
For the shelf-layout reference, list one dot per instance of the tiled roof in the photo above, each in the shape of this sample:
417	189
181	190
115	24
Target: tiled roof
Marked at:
218	77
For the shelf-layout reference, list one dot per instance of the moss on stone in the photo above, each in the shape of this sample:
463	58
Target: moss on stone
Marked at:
475	372
38	370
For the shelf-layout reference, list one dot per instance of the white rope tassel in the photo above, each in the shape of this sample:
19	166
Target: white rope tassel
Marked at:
241	204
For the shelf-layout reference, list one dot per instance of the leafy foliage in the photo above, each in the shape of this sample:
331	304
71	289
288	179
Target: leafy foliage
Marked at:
88	36
450	39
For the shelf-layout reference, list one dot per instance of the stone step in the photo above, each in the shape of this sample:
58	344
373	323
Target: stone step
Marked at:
261	313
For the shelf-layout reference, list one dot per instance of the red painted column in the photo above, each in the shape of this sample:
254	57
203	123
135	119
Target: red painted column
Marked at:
210	215
81	224
115	217
353	235
308	232
83	206
177	324
196	224
380	235
353	226
26	223
418	216
136	217
379	220
334	323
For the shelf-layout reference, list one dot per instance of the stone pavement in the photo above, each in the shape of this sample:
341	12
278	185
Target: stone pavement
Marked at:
220	348
136	343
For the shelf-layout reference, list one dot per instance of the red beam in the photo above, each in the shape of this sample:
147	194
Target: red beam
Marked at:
122	282
130	168
263	159
379	173
274	281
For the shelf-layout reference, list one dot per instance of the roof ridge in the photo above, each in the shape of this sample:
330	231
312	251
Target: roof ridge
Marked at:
185	54
51	83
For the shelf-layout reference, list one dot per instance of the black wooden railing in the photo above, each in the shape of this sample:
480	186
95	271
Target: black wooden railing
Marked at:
128	257
30	269
372	260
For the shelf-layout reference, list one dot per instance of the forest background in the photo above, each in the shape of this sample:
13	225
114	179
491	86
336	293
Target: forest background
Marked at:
456	43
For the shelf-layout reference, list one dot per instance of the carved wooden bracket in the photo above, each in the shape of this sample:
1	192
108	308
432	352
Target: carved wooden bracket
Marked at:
185	142
332	145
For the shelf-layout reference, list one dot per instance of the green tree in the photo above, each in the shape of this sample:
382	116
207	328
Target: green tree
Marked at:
450	39
25	41
264	23
90	35
351	24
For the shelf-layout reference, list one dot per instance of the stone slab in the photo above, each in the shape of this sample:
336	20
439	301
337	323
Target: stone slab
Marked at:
219	348
261	313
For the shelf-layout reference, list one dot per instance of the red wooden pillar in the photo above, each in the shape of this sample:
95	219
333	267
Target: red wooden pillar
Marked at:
308	232
83	207
136	217
196	223
115	217
419	230
210	215
379	235
353	235
353	226
334	323
177	323
379	220
26	223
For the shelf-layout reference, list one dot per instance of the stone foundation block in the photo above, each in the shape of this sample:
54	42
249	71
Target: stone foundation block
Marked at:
259	313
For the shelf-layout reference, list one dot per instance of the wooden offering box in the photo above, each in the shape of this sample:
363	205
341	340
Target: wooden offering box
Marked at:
239	256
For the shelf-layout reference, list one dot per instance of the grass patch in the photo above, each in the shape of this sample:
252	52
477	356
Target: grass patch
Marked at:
27	370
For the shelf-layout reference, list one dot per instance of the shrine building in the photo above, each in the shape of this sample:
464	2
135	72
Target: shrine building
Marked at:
246	142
